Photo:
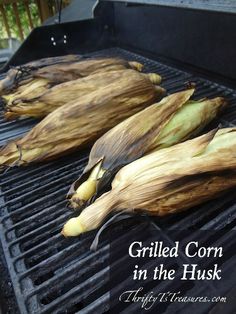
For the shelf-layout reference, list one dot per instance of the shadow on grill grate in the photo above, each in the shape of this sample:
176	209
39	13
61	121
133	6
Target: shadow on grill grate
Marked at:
57	275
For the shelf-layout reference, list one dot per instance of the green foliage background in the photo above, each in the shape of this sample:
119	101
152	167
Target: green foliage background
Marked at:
23	17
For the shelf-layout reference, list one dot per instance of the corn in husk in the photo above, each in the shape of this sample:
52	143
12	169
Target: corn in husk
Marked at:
173	120
40	63
37	81
62	73
33	105
76	125
167	181
23	74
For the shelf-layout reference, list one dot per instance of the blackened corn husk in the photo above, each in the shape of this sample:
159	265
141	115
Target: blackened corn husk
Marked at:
173	120
79	124
84	68
20	75
63	72
40	63
40	105
167	181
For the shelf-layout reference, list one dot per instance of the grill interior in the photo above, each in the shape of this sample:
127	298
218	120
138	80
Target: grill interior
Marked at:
51	274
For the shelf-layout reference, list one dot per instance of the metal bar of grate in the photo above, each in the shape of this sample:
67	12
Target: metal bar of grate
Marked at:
55	275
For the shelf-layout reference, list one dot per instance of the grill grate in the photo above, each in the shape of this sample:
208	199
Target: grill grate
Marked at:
51	274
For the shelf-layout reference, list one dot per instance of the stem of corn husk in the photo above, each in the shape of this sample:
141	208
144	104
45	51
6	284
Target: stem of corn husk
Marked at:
168	181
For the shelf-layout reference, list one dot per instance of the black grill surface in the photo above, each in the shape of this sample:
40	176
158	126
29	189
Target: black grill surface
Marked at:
51	274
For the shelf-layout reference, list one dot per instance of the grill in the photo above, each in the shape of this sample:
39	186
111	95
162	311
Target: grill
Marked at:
50	274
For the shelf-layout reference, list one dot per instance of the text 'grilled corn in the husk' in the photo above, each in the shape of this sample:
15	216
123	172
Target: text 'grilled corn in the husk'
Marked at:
38	104
167	181
76	125
173	120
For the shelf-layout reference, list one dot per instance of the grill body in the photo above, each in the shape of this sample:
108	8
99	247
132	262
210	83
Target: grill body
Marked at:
50	274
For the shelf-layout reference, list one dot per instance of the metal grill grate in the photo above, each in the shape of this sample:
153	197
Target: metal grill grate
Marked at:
51	274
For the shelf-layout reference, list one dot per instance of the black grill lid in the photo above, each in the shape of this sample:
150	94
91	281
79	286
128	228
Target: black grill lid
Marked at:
228	6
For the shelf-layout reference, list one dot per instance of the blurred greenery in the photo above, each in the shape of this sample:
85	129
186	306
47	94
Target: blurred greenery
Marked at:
23	17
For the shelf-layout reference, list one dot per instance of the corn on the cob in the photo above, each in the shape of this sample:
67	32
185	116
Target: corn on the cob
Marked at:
167	181
30	105
78	124
59	73
169	122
